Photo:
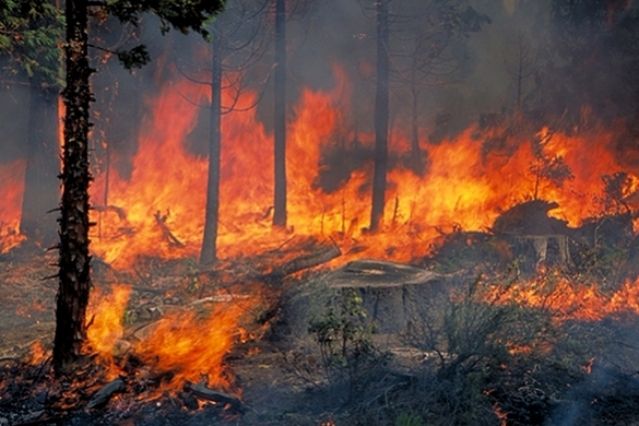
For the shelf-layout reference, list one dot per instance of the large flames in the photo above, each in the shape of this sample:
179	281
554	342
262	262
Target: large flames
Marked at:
158	209
469	180
186	345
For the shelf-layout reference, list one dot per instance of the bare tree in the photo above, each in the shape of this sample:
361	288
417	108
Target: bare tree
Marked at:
279	195
429	53
237	44
381	115
421	34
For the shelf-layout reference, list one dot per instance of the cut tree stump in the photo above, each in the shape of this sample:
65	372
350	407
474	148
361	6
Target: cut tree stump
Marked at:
392	293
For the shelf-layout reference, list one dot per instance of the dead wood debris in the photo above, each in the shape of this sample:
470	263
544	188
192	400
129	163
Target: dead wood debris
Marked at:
203	392
105	393
160	220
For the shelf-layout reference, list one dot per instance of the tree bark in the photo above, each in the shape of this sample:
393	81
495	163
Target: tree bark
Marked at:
208	254
414	141
417	157
74	259
381	117
41	187
279	213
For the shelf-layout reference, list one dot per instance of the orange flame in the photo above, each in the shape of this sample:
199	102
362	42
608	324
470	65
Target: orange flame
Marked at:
184	344
11	189
567	300
106	323
468	181
193	348
38	354
501	415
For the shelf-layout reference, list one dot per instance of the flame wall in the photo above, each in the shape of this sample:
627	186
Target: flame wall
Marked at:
465	184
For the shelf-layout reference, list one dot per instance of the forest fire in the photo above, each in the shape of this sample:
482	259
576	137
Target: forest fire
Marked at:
485	171
300	212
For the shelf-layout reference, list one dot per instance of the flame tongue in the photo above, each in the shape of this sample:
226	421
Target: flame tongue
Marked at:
193	347
184	345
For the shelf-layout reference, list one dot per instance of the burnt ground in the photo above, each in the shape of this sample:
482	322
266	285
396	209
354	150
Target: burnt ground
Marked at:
391	373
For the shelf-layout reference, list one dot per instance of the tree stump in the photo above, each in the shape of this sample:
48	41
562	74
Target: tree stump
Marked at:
392	293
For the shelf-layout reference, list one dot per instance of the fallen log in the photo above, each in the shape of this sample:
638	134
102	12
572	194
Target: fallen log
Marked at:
202	392
323	255
105	393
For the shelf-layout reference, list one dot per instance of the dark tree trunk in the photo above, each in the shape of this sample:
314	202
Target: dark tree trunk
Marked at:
279	214
414	140
41	186
74	277
381	117
417	157
208	253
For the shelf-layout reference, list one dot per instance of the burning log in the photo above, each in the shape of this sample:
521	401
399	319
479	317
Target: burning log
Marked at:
320	256
33	418
217	397
103	395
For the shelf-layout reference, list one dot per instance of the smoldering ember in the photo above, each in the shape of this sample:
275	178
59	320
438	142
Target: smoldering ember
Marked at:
329	212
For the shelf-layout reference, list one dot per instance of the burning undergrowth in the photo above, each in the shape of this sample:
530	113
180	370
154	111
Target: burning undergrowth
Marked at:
520	346
146	203
135	363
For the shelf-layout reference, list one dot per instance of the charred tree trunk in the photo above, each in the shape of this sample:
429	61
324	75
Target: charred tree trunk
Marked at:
417	157
279	213
74	277
381	117
41	187
208	254
414	140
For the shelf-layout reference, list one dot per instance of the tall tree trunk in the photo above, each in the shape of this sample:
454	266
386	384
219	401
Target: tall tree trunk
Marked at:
208	254
41	185
417	157
74	277
414	140
279	214
381	117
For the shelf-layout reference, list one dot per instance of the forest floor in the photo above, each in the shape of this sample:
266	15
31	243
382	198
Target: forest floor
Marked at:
295	372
